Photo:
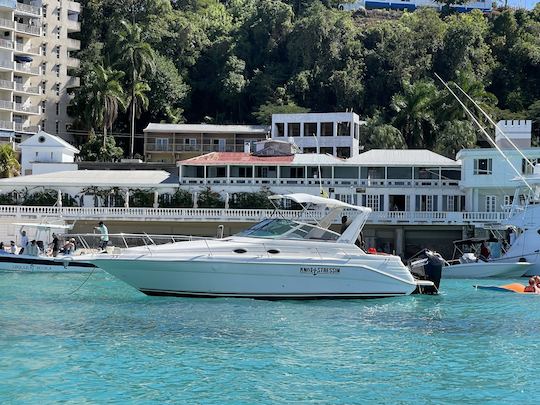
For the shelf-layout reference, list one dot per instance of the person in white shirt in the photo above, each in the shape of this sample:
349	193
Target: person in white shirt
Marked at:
13	247
104	239
24	242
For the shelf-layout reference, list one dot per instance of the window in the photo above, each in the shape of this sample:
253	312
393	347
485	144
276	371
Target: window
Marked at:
162	144
309	150
43	87
44	49
483	166
57	108
293	129
508	199
373	201
327	150
310	129
343	153
58	31
43	106
491	203
44	68
44	30
526	168
42	127
279	128
426	203
356	131
44	11
57	88
58	52
57	70
344	129
327	129
58	12
56	126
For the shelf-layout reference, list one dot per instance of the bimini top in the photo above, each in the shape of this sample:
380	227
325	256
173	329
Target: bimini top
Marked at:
303	198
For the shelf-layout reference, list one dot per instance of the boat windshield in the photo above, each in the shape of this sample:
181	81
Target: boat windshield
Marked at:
287	229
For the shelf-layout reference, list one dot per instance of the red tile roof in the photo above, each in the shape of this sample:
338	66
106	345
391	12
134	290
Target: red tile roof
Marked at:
223	158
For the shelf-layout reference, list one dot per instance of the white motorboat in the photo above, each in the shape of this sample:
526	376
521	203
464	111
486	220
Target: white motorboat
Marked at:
277	258
26	263
471	265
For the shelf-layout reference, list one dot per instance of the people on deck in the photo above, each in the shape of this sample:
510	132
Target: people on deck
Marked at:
32	249
344	225
104	239
55	245
24	241
2	249
12	247
484	252
69	247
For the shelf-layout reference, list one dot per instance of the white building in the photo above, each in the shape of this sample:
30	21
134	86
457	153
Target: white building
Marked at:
35	63
487	178
335	134
410	5
46	153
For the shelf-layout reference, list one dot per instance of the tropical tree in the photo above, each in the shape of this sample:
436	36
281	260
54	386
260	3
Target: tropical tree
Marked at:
414	112
134	56
94	150
104	96
9	165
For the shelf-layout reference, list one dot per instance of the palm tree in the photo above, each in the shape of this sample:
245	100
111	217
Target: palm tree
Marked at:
414	112
9	165
140	102
105	97
136	57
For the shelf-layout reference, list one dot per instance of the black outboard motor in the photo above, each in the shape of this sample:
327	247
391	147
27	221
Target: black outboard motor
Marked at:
426	265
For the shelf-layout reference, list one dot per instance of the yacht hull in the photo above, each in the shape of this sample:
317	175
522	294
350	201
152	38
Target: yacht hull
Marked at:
485	270
33	264
263	280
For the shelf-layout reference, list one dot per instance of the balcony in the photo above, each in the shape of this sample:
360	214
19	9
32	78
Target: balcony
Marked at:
159	148
73	63
6	64
21	48
21	88
74	6
6	105
5	23
6	125
33	30
73	44
6	84
28	109
29	129
28	9
73	81
6	44
24	68
73	26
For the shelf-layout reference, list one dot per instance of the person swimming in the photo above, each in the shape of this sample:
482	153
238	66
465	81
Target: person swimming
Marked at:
532	287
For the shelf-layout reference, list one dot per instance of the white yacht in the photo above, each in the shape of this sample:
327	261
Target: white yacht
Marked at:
278	258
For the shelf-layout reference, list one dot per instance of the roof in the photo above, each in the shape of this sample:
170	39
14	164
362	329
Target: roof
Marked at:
402	157
99	178
50	141
224	158
316	159
207	128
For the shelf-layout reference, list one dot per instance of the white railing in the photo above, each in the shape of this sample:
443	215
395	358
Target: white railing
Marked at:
26	89
27	108
23	67
5	23
27	8
6	104
20	127
26	49
73	62
4	43
73	44
6	125
29	29
6	84
6	63
241	215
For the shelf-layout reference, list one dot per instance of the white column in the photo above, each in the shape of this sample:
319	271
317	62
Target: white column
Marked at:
195	196
59	198
227	197
126	201
156	199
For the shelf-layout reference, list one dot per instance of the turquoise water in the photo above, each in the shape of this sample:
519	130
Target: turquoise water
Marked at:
108	342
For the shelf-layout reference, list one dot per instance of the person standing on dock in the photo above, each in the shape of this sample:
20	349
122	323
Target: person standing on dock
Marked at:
104	239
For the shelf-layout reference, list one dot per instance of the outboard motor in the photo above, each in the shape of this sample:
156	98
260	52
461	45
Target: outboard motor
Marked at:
426	265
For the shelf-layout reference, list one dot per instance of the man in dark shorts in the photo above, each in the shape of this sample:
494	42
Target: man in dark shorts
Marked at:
55	245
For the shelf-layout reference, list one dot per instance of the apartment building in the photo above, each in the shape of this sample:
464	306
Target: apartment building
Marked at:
35	66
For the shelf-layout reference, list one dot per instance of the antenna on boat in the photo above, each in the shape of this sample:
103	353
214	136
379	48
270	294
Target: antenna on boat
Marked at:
322	192
496	126
486	135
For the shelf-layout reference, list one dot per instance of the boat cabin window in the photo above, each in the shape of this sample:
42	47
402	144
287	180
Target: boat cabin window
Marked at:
286	229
